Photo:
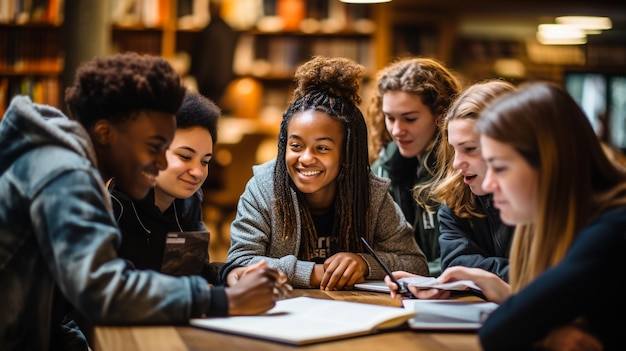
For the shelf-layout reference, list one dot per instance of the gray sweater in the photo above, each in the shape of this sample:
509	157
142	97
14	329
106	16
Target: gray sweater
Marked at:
256	233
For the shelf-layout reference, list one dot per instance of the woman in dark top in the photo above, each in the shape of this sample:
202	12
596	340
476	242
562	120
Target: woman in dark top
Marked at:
471	232
550	177
404	121
175	203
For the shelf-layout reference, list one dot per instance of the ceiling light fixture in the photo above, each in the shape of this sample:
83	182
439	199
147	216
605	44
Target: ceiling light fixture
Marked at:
365	1
560	41
561	34
586	23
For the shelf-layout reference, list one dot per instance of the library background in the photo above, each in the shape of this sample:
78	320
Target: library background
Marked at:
242	54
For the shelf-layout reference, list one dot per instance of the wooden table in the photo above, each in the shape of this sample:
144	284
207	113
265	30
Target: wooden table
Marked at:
184	338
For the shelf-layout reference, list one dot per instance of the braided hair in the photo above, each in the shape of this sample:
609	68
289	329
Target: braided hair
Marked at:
330	86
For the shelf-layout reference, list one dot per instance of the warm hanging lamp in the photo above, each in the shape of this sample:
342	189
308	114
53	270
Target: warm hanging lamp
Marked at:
364	1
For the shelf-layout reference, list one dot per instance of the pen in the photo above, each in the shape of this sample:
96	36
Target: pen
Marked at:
403	288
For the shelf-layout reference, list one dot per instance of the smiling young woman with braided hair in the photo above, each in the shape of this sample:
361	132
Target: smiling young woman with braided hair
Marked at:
304	211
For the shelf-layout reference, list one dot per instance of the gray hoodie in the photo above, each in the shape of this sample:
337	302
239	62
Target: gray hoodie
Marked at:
58	238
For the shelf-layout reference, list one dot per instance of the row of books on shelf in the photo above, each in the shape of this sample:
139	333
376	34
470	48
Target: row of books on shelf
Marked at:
44	90
23	12
308	16
278	57
146	13
139	41
30	50
190	14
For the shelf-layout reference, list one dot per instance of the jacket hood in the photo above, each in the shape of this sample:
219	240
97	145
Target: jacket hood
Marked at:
27	126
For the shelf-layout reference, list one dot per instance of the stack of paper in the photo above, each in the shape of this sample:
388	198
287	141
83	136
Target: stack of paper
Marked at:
448	314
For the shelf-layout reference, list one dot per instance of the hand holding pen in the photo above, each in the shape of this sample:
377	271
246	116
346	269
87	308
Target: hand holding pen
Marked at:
256	290
414	291
281	284
401	289
237	273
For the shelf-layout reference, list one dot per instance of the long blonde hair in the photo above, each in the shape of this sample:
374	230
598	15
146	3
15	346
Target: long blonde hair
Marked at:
449	186
576	179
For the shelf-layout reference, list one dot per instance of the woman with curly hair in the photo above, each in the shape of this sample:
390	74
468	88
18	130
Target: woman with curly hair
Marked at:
304	211
404	121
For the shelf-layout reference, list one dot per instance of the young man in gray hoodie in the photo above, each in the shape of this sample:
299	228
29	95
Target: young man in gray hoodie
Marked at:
58	238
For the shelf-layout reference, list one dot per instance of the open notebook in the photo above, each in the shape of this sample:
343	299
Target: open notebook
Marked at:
305	320
185	253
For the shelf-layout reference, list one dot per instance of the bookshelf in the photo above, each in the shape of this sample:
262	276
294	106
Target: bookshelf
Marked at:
31	55
145	26
265	42
275	56
167	28
137	38
268	46
287	33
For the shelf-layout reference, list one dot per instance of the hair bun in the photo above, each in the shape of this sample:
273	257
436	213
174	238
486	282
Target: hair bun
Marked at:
335	76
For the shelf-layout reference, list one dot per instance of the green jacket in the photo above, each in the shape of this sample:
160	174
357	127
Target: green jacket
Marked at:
404	173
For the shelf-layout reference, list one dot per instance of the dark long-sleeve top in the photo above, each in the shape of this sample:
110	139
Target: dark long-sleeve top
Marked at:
404	173
475	242
584	284
144	228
